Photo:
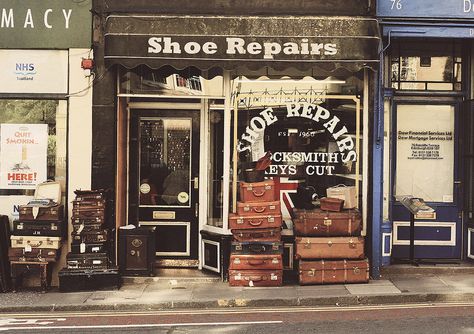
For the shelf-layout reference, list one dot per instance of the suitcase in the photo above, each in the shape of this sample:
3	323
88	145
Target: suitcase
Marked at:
32	242
252	248
257	278
331	204
43	228
47	213
88	212
323	223
88	248
93	220
258	191
90	237
258	234
86	279
97	203
257	208
248	222
326	272
100	194
257	262
41	255
87	261
329	248
83	228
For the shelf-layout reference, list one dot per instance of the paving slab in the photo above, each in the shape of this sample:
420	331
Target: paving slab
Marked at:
459	282
255	293
381	287
420	284
315	291
156	294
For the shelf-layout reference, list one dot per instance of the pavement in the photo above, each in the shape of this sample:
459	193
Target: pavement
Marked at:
400	285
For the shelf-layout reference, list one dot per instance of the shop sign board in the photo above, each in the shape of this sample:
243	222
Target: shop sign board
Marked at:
459	9
59	24
34	71
23	155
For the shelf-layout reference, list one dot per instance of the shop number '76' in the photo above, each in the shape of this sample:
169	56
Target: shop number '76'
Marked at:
397	4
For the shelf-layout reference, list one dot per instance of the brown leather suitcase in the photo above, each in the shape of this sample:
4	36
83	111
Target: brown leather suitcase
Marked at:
331	204
90	237
99	194
258	208
40	255
79	228
44	228
257	278
257	234
328	272
253	248
47	213
257	221
324	223
88	203
329	248
257	262
88	212
93	220
258	191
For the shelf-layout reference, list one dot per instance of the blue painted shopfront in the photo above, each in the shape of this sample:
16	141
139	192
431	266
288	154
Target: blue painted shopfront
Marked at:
425	87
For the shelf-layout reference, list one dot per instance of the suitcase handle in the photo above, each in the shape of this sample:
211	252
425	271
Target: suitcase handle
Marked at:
255	278
36	245
256	262
258	194
257	248
259	209
258	223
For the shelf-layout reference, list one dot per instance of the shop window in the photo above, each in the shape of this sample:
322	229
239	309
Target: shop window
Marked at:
23	157
422	66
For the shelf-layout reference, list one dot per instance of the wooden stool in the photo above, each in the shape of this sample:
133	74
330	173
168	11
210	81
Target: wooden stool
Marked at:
19	268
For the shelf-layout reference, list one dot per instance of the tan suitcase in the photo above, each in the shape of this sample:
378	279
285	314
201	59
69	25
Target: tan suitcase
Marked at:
30	242
329	248
330	272
255	278
258	191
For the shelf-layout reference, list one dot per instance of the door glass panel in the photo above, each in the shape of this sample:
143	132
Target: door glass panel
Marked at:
216	168
165	157
425	152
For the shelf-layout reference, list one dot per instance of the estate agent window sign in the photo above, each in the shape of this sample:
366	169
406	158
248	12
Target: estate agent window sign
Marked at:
311	137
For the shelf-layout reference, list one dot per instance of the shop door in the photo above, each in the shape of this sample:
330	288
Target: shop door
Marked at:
425	165
163	189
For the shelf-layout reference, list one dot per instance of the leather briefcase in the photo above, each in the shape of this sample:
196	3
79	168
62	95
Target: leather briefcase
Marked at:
256	262
87	261
40	255
46	213
329	272
93	220
79	228
258	191
252	248
82	248
257	235
88	203
324	223
259	278
329	248
90	237
44	228
82	195
89	212
258	208
331	204
32	242
249	222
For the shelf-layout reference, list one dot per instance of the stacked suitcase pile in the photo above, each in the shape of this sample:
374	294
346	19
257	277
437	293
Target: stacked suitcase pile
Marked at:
88	265
37	235
256	251
329	246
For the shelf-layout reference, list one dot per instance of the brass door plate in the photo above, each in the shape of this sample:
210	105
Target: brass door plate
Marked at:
164	215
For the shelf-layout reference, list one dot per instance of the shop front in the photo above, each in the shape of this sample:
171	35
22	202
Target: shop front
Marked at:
428	145
201	98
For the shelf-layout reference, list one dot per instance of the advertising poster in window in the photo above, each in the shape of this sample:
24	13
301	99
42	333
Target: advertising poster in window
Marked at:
23	155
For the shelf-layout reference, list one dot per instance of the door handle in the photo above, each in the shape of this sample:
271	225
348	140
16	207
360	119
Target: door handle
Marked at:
196	182
457	182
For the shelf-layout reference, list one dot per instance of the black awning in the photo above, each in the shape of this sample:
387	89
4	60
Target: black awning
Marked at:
207	42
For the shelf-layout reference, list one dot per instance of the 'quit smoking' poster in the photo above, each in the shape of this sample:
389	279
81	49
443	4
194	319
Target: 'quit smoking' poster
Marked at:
23	155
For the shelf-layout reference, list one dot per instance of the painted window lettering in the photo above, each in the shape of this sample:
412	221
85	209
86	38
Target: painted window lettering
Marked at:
396	4
468	6
30	19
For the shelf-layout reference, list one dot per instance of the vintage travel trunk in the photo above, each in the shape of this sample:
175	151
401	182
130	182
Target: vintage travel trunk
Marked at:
258	191
331	204
257	234
46	213
259	278
252	248
43	228
329	248
91	237
32	242
327	272
80	228
255	221
257	262
87	261
87	221
88	203
88	213
36	254
85	195
317	222
88	248
258	208
88	279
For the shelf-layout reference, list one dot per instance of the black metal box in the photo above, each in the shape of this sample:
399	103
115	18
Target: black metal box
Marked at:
136	249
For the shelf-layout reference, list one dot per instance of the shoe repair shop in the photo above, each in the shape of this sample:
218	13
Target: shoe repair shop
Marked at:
202	98
428	151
